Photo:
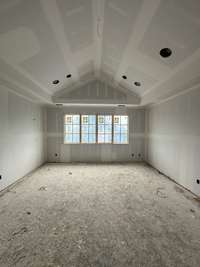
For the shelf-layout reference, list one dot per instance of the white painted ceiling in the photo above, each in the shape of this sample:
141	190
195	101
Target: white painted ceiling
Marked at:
44	40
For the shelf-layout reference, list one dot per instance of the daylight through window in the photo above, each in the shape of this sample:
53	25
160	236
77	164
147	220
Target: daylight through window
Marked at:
96	129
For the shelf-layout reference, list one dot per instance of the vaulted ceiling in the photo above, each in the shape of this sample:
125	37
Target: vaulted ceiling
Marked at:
45	40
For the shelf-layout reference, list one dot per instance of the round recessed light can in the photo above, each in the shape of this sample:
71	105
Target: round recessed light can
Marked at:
124	77
55	82
165	52
137	83
68	76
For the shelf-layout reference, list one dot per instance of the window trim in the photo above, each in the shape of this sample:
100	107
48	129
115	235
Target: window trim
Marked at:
71	143
96	143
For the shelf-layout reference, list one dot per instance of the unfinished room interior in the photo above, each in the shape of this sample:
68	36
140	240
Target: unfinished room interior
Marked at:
99	133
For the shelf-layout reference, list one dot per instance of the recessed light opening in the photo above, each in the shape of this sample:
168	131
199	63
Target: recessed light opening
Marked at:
137	83
55	81
165	52
124	77
68	76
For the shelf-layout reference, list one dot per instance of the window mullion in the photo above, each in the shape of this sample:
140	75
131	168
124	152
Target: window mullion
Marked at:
80	128
112	128
97	129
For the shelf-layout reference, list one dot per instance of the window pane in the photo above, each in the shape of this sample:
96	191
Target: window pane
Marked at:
68	138
108	128
101	128
124	119
84	119
76	119
92	138
101	119
68	128
100	138
76	138
124	138
92	119
117	119
120	129
105	128
117	128
124	128
88	127
117	138
108	138
84	128
76	128
84	138
68	119
72	129
108	119
92	128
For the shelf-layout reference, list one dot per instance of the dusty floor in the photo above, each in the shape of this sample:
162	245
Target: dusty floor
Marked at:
99	215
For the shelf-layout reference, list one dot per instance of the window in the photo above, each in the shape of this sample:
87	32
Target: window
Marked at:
88	129
104	129
92	129
72	129
120	133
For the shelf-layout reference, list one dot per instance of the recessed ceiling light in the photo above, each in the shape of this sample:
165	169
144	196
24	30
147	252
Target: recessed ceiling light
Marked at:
55	81
124	77
68	76
137	83
165	52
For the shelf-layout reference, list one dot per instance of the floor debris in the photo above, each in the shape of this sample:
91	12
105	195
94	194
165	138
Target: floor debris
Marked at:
42	188
108	215
19	232
160	192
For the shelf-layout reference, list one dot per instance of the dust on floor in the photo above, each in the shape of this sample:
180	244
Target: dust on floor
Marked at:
106	215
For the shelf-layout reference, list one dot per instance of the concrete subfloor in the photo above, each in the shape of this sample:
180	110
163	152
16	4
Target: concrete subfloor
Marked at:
99	215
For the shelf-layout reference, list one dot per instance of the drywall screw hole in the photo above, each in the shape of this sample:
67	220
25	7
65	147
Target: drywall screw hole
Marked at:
198	181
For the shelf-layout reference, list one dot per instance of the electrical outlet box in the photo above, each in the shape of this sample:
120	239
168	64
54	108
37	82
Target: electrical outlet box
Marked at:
0	177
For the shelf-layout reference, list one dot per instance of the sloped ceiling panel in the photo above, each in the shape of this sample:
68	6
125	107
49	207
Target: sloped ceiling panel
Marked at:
97	92
44	40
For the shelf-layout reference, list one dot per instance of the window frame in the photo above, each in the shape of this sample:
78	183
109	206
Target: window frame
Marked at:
105	143
88	143
96	135
64	133
120	131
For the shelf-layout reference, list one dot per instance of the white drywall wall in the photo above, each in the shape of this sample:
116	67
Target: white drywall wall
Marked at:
22	140
94	152
173	139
